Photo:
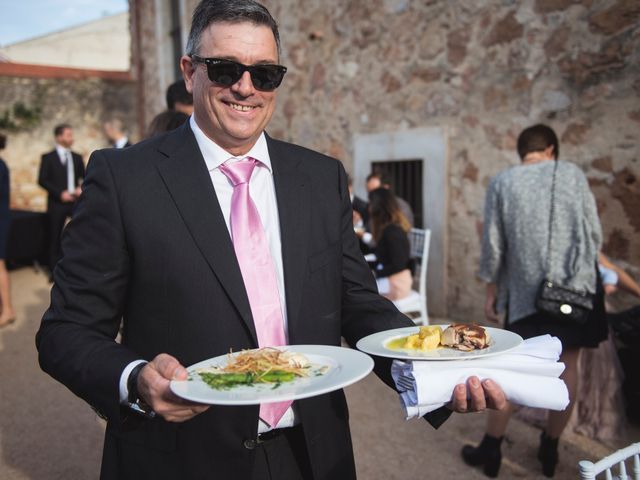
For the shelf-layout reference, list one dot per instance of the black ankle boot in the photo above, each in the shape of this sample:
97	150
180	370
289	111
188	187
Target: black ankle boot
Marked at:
548	454
486	454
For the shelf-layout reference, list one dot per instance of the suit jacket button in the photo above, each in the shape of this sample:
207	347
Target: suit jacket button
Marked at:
249	444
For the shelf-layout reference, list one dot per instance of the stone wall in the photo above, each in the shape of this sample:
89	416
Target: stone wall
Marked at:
84	103
482	71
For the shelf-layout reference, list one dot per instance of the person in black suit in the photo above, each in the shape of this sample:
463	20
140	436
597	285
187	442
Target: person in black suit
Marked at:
150	244
61	174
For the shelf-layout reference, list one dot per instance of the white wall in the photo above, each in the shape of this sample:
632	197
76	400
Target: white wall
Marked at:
103	44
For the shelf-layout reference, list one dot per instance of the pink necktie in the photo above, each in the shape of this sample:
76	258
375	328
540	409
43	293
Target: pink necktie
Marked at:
258	271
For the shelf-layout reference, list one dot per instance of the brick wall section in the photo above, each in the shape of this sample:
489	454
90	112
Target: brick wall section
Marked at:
484	70
85	101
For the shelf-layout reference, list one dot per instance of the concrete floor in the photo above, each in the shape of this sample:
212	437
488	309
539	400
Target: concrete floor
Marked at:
48	433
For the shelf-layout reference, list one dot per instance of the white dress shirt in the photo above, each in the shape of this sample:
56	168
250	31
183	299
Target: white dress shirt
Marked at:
64	154
121	142
262	191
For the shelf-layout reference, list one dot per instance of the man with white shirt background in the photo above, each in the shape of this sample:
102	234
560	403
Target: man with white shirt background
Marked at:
61	174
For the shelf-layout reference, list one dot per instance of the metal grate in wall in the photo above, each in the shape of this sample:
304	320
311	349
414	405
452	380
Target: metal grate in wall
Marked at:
405	178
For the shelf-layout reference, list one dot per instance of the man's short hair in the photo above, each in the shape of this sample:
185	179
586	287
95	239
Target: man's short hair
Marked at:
536	139
177	92
59	129
3	141
230	11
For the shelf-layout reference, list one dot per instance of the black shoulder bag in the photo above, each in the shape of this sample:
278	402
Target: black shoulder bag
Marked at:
564	304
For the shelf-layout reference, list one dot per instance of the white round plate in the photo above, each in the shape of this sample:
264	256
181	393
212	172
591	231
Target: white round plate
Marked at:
501	341
346	366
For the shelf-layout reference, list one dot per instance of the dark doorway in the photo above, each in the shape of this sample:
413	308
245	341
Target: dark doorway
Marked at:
405	178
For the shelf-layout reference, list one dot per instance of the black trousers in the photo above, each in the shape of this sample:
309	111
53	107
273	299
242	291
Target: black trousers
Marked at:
57	214
282	456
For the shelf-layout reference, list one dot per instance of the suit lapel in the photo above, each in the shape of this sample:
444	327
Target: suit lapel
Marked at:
185	175
292	193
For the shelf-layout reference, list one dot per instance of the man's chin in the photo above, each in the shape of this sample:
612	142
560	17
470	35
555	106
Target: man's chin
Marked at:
239	144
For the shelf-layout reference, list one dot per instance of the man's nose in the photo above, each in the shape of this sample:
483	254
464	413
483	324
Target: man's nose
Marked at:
244	86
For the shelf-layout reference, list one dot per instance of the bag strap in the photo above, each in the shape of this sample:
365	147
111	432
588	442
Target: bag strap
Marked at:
551	212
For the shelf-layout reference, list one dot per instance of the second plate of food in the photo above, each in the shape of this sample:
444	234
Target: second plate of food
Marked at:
391	344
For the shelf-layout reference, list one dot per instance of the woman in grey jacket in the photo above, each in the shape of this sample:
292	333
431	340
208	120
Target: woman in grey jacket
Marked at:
515	259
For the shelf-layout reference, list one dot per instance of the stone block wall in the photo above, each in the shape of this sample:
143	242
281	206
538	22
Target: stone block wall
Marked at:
85	103
482	71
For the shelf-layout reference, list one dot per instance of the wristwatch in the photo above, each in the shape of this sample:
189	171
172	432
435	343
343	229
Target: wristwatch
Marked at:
134	402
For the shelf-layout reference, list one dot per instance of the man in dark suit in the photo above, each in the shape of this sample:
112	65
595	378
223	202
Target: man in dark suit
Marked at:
61	173
154	241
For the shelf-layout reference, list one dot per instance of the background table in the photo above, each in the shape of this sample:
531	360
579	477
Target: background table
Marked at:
27	242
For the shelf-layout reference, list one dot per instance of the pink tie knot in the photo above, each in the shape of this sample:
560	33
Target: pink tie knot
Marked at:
239	172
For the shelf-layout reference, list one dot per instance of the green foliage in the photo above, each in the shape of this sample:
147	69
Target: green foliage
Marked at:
20	117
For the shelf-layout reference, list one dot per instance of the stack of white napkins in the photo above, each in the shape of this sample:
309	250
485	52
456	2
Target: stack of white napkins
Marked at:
528	375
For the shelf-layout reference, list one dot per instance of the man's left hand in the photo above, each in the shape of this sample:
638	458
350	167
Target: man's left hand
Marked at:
487	394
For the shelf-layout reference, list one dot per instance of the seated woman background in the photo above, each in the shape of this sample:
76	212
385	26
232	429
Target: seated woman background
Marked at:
389	228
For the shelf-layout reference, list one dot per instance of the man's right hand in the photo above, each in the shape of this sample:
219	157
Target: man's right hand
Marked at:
67	197
153	388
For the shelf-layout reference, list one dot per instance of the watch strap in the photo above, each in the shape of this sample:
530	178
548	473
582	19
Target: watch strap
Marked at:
134	402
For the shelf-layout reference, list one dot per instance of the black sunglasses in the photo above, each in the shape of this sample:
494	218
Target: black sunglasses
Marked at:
227	72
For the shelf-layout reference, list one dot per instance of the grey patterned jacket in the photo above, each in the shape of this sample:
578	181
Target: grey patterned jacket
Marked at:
516	229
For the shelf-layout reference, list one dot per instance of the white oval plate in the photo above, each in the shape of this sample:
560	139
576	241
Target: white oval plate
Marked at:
501	341
346	366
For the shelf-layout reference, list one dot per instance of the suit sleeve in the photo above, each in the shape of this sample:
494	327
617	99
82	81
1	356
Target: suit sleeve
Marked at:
76	340
364	311
45	179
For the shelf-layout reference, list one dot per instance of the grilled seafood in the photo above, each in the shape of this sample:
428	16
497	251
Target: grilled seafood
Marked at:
465	337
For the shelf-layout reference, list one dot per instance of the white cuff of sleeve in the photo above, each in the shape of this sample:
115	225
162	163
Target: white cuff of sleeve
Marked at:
124	391
367	237
384	286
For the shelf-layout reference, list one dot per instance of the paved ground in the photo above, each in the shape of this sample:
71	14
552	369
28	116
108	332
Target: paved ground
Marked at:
46	433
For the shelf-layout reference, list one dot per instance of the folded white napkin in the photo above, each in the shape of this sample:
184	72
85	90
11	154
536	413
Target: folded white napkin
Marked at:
528	375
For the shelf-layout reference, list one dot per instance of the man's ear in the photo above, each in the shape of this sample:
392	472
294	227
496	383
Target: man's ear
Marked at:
188	70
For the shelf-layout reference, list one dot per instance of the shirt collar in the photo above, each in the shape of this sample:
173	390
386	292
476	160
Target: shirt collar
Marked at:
214	155
62	152
121	142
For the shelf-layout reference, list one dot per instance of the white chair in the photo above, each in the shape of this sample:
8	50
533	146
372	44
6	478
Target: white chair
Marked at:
416	302
589	470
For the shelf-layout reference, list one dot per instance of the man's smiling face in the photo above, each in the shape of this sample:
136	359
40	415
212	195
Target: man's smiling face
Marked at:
234	116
